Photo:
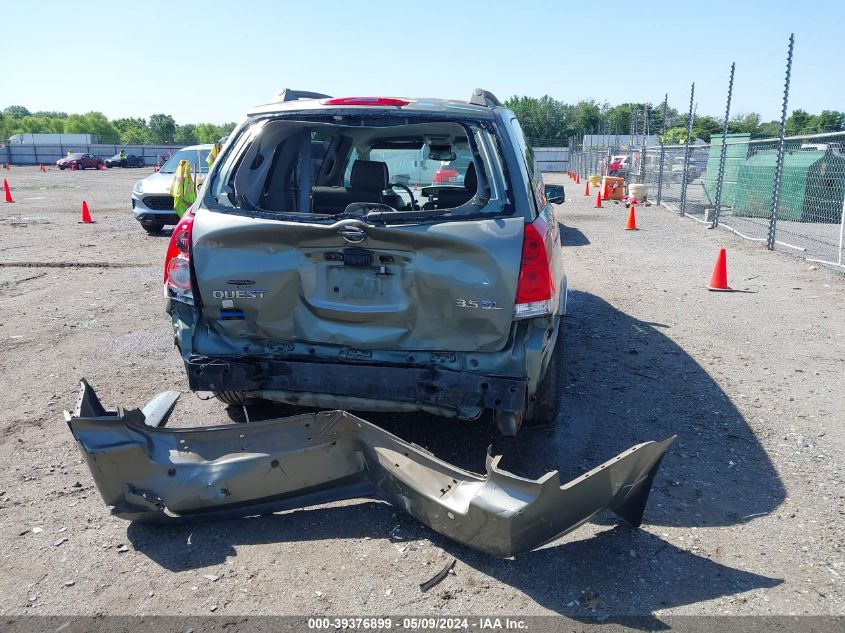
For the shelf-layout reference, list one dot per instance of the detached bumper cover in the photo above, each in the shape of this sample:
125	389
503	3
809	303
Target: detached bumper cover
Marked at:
153	474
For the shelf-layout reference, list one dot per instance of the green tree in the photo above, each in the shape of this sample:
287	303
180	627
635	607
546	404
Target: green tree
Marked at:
162	128
618	118
827	121
705	126
132	131
744	123
798	122
76	124
186	134
16	112
587	117
770	129
656	117
96	123
207	133
544	118
674	136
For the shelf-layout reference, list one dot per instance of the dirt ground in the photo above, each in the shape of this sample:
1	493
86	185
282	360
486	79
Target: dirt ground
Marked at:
746	516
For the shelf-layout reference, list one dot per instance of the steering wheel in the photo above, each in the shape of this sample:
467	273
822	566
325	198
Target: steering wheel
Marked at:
408	189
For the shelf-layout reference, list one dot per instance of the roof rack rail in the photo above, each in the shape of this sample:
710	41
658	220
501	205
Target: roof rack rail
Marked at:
293	95
484	98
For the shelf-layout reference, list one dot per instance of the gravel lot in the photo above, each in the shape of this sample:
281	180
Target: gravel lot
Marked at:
746	516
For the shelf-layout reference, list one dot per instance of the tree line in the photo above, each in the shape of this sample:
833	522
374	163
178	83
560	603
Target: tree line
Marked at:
160	129
547	121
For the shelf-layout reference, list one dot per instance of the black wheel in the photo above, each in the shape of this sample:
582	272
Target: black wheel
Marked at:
152	229
79	166
547	401
236	398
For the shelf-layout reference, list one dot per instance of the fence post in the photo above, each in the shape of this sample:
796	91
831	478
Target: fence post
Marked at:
683	202
631	147
770	243
721	172
662	150
841	232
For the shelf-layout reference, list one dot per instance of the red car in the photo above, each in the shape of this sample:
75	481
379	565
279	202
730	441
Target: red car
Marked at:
82	161
444	176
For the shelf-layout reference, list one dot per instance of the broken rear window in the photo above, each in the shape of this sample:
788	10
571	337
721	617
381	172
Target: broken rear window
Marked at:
410	167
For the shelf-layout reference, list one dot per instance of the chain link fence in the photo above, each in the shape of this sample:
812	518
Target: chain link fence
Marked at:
810	215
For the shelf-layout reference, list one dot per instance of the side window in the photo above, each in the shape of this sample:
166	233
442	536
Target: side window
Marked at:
534	175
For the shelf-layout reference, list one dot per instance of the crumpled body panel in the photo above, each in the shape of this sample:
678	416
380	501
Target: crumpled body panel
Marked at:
154	474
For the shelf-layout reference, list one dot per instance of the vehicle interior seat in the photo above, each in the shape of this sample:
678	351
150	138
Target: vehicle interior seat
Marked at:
367	183
449	198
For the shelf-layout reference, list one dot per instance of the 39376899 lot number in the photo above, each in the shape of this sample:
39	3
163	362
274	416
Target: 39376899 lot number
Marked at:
363	624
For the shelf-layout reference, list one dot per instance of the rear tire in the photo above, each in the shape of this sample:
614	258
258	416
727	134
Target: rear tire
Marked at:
548	398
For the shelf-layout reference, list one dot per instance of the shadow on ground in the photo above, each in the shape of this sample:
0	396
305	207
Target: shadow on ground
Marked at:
570	236
620	571
625	382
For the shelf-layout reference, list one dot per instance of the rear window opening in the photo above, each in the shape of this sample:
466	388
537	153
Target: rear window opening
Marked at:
360	166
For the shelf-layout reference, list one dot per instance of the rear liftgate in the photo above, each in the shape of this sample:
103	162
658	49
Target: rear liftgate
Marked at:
152	474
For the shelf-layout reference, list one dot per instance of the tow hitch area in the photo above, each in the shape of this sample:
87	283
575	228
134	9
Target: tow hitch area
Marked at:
150	473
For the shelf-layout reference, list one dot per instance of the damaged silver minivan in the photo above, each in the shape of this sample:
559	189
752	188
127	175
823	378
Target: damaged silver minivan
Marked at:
326	263
370	254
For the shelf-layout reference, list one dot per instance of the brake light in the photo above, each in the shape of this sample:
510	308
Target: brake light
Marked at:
177	262
536	287
366	101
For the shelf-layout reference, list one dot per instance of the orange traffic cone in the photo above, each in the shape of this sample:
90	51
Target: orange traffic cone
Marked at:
631	225
598	201
41	167
73	167
719	279
586	187
6	191
102	167
605	193
86	214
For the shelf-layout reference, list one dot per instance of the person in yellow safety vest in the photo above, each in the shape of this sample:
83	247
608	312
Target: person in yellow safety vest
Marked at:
183	189
122	158
212	155
69	152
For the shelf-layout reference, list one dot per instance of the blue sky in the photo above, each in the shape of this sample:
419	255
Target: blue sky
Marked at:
211	61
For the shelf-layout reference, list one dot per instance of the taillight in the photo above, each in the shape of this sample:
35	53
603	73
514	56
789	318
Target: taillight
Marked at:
177	262
366	101
536	287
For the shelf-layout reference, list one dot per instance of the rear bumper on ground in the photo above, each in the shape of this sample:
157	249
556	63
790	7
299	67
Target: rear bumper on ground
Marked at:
421	387
152	474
